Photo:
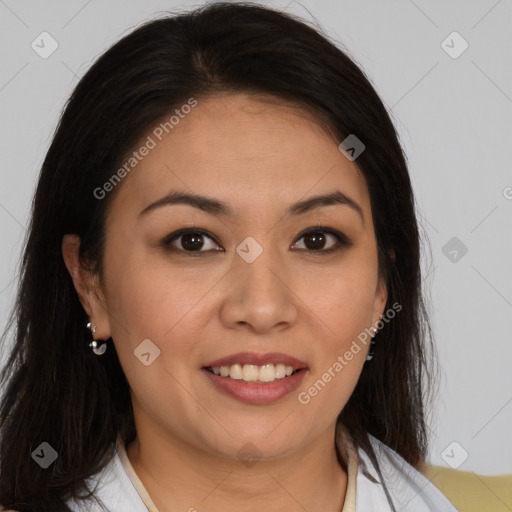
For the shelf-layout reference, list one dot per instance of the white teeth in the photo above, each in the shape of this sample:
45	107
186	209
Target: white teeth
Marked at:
267	373
235	372
254	373
280	371
250	372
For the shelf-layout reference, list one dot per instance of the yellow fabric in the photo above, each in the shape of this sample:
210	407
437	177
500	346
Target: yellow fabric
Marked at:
470	492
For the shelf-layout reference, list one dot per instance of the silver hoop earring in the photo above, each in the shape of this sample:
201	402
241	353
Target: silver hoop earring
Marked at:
98	350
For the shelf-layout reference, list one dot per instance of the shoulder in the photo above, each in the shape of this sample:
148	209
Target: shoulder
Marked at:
112	490
470	491
400	483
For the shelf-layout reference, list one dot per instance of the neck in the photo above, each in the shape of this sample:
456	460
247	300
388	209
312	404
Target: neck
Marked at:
178	476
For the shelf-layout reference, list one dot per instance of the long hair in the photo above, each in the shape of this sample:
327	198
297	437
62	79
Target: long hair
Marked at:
56	390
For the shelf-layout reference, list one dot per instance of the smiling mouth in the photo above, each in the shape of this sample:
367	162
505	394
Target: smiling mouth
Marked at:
254	373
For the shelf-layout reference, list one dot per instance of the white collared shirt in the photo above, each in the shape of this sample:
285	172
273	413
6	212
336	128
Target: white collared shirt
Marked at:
120	489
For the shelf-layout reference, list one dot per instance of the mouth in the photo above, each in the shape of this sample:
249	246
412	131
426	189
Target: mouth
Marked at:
255	367
256	378
254	373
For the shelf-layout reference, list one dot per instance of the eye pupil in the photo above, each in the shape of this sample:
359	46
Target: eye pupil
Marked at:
317	236
192	241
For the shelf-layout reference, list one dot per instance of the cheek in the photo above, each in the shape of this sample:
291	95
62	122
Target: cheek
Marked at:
340	306
343	295
332	381
147	303
152	298
158	303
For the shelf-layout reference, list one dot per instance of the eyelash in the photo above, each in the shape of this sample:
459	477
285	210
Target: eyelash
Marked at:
342	240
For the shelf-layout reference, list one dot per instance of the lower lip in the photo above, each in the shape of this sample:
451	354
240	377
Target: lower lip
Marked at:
255	392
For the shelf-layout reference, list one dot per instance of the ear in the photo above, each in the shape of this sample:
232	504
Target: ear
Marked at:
381	297
381	294
87	286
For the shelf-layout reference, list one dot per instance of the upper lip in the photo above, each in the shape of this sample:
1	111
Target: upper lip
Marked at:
258	360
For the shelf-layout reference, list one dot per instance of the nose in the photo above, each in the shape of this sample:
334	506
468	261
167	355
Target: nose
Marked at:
259	295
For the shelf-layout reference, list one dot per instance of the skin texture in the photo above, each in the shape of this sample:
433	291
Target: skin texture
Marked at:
259	158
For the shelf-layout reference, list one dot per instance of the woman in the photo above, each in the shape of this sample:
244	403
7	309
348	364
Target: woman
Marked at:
220	305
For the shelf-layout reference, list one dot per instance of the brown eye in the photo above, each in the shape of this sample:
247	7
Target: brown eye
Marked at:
316	240
190	241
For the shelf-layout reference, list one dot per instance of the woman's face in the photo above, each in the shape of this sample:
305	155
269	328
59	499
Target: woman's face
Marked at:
250	284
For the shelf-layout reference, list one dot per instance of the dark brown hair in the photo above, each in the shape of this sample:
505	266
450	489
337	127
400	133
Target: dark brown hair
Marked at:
57	391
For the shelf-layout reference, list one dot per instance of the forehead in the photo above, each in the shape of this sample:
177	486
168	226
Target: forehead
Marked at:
251	152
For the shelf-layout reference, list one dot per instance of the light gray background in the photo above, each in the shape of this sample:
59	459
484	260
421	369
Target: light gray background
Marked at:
454	117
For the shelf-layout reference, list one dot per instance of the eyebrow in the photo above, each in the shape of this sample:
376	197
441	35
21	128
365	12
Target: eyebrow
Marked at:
216	207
